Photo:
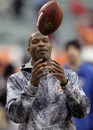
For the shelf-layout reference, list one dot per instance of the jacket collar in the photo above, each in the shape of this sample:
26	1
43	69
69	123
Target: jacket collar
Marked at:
27	65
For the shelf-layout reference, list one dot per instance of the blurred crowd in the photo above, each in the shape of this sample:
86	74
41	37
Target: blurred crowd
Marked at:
5	123
73	52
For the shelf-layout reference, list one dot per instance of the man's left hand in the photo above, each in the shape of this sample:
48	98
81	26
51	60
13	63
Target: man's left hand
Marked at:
58	72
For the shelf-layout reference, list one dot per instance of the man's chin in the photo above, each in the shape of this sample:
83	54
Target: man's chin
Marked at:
44	59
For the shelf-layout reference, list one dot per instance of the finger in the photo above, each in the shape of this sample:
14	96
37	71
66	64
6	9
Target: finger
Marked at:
51	69
56	65
56	69
55	62
58	74
37	62
39	66
41	75
55	74
40	70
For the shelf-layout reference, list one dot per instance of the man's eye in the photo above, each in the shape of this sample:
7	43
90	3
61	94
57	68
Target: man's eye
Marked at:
34	42
45	41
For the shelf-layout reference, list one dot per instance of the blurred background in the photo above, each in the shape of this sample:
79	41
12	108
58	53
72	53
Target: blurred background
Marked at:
18	21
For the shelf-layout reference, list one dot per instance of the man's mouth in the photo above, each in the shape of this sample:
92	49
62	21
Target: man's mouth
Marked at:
42	51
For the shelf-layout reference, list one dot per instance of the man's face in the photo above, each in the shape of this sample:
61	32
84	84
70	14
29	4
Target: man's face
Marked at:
72	54
39	47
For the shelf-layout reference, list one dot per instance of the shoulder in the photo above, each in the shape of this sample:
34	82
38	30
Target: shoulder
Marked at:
19	74
16	81
88	69
87	66
16	76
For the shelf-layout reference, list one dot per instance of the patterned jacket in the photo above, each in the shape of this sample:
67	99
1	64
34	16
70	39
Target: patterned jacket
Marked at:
45	107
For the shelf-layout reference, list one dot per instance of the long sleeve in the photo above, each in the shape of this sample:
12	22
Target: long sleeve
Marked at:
78	103
18	100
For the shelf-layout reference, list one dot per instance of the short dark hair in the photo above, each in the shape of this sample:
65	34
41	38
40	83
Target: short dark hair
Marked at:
74	43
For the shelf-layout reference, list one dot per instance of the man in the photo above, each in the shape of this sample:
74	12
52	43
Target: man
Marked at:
85	74
33	96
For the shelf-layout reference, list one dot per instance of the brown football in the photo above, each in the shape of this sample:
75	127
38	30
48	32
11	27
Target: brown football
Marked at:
49	17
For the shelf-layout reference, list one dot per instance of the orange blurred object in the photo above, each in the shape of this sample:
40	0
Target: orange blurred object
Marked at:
60	56
4	59
86	33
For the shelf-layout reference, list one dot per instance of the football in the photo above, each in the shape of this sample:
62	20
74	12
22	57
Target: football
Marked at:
49	17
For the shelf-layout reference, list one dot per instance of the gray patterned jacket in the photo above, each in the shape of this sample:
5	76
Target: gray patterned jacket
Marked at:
45	107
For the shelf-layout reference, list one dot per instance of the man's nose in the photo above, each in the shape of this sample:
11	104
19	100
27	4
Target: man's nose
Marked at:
41	43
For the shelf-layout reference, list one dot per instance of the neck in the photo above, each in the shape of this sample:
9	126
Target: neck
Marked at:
75	64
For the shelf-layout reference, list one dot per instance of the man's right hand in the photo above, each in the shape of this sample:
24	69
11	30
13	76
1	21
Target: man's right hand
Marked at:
37	70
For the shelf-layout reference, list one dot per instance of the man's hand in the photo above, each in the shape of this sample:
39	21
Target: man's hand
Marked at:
58	72
36	73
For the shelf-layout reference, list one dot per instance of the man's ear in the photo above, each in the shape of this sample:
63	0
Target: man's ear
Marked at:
51	47
29	50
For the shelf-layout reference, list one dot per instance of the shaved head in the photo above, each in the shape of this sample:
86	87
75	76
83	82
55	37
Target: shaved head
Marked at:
39	47
34	35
